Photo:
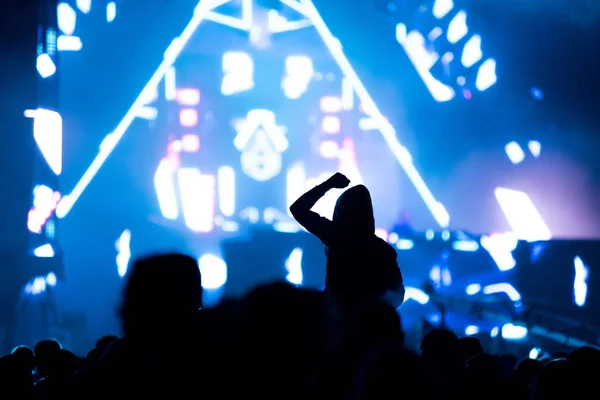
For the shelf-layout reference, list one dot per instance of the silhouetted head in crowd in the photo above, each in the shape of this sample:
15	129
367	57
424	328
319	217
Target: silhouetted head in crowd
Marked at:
94	355
62	364
440	349
484	373
15	381
388	373
527	370
508	361
162	293
354	211
470	347
43	350
106	341
378	323
25	357
584	358
556	378
282	339
585	362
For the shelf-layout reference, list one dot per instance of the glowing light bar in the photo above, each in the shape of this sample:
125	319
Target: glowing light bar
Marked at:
473	289
514	332
45	201
500	248
45	66
165	190
423	59
111	11
514	152
471	330
84	5
148	113
457	28
47	132
486	75
506	288
51	279
188	117
197	193
535	148
190	143
329	149
188	97
404	244
226	182
293	265
45	251
465	245
580	286
331	104
37	286
442	7
124	252
416	294
523	217
66	18
331	124
68	43
471	52
238	73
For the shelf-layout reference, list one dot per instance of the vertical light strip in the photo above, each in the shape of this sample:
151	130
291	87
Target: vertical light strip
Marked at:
206	207
197	193
226	190
165	190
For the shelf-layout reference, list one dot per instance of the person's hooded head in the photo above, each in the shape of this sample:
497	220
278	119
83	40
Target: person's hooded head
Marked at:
354	211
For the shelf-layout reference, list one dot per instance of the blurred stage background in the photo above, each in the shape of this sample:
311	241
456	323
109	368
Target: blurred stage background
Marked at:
193	125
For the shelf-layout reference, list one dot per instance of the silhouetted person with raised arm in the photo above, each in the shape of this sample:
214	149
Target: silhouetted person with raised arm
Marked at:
361	267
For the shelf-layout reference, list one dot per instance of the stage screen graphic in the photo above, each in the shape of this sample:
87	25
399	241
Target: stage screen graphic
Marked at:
247	133
232	124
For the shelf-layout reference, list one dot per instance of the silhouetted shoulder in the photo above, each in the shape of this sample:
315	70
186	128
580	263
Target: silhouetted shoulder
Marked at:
384	249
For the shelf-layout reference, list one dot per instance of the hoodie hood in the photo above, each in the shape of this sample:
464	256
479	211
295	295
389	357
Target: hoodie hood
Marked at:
354	211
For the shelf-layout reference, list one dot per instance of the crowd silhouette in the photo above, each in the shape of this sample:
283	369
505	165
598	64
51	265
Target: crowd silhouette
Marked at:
284	342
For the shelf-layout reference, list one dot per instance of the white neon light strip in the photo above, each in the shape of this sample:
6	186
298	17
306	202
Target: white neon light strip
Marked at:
522	215
226	190
165	190
507	288
170	55
400	152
